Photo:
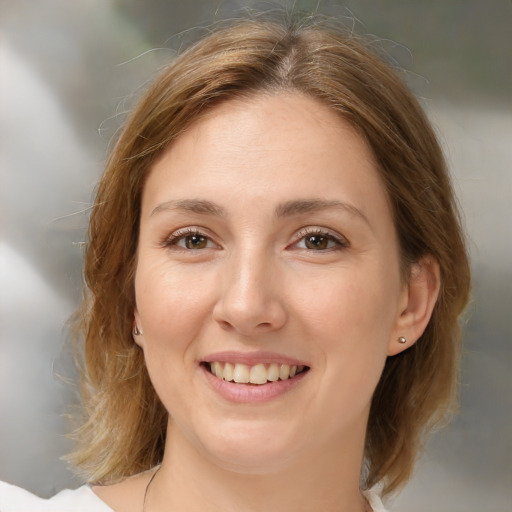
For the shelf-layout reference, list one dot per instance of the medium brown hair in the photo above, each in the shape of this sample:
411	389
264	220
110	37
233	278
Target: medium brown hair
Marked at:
124	428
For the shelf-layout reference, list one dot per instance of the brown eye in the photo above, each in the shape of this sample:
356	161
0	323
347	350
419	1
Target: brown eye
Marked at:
315	239
190	240
195	242
317	242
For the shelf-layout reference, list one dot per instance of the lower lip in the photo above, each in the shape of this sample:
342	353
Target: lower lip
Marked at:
248	393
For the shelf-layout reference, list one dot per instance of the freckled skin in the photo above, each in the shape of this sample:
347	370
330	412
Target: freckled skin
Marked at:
250	287
258	281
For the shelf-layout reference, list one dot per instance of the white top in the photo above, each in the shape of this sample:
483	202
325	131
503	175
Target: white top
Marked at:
83	499
15	499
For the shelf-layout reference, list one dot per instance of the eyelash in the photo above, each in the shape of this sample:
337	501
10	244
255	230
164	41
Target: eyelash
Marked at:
339	241
182	234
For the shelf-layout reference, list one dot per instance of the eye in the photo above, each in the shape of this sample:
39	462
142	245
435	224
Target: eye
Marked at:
189	239
315	239
193	242
318	242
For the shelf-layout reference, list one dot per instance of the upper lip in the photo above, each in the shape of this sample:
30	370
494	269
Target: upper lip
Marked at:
252	358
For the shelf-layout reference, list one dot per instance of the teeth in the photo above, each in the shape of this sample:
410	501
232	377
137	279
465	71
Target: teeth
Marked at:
257	374
273	372
217	369
241	373
284	372
227	374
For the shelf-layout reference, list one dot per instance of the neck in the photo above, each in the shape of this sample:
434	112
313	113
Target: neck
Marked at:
327	480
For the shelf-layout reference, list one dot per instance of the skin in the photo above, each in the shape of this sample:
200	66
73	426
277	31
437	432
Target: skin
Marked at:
257	282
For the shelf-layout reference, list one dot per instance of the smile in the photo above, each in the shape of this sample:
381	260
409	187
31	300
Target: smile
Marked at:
258	374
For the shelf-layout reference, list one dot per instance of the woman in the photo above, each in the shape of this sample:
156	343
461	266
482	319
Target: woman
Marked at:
274	273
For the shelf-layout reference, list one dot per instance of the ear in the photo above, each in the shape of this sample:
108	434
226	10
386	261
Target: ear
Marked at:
137	331
417	302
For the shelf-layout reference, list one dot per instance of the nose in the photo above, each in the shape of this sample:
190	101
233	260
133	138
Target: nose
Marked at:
250	300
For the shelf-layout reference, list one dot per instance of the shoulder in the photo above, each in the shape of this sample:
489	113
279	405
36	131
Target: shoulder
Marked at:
374	500
15	499
83	499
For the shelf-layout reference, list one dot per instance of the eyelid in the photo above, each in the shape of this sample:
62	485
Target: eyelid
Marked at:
341	240
173	239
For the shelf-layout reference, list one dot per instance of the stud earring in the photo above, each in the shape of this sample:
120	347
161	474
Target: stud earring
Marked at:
136	331
402	340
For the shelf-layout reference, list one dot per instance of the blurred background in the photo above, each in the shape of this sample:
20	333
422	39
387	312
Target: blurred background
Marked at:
69	71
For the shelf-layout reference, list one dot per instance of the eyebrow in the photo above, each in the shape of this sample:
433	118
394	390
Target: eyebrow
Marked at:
301	206
200	206
287	209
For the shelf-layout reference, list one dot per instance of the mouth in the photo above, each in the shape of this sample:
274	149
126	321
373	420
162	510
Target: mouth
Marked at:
257	374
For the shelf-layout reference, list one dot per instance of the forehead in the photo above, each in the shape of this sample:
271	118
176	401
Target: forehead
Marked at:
287	121
273	147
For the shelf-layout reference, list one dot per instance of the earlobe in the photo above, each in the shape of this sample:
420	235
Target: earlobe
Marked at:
417	304
137	329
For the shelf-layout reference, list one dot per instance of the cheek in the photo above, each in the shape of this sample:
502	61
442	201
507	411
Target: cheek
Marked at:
351	307
172	311
171	304
351	320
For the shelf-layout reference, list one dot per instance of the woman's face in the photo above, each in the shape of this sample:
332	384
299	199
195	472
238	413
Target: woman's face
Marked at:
266	247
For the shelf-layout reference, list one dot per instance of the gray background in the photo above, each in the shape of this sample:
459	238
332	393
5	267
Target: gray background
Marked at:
68	72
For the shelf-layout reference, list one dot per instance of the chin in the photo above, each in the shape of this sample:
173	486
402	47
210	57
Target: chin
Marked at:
250	462
250	450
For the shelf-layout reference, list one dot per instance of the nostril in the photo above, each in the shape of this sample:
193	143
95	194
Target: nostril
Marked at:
225	325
